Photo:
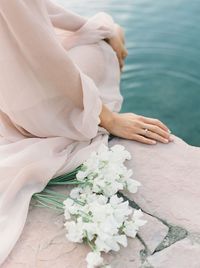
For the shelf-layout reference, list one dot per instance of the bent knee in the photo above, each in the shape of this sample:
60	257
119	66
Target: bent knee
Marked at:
91	59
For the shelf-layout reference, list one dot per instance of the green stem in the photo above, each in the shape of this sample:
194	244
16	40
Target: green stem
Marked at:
48	191
65	183
45	205
90	244
51	201
70	175
77	201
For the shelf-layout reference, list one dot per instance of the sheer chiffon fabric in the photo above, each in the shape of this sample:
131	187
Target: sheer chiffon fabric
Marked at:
53	81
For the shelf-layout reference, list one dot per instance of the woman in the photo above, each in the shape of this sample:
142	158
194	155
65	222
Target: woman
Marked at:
59	100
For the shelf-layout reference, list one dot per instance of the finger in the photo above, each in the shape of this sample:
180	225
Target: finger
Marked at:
124	54
123	39
122	36
154	136
121	61
121	33
155	122
121	67
142	139
158	130
121	64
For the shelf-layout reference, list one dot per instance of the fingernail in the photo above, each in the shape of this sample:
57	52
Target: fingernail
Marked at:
166	141
171	139
169	131
153	142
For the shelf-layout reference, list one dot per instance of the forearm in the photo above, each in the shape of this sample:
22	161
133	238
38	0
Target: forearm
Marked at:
106	117
64	19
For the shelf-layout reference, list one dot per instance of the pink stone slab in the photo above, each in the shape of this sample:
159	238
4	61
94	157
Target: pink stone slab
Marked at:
128	257
182	254
153	232
43	245
170	177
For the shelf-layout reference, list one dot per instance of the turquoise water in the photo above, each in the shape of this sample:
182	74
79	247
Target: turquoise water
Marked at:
161	78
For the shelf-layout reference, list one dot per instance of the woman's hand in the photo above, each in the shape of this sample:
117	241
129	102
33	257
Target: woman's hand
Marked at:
139	128
117	42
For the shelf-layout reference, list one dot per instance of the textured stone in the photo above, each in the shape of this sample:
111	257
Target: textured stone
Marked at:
170	176
175	234
183	254
128	257
43	245
195	237
153	232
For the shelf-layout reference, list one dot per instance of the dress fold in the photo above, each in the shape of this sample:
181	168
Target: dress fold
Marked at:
51	96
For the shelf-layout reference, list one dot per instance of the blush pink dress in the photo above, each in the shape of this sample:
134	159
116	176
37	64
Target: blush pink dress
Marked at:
56	70
55	73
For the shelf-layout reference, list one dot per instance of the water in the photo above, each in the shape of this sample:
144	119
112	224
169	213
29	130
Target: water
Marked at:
161	78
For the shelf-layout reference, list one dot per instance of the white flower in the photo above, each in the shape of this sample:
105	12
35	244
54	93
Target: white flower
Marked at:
81	175
110	242
90	229
94	259
137	215
113	245
132	185
67	215
121	239
100	212
68	204
75	192
115	200
122	212
75	232
105	172
101	245
109	225
131	227
92	162
103	153
94	212
120	152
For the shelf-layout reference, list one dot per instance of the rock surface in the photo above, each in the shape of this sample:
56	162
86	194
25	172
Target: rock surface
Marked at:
170	177
153	232
169	197
43	245
183	254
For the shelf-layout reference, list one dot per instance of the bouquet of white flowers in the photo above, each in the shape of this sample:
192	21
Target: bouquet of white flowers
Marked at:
94	213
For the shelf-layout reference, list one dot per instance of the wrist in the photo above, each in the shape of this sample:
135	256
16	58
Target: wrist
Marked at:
107	119
111	121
